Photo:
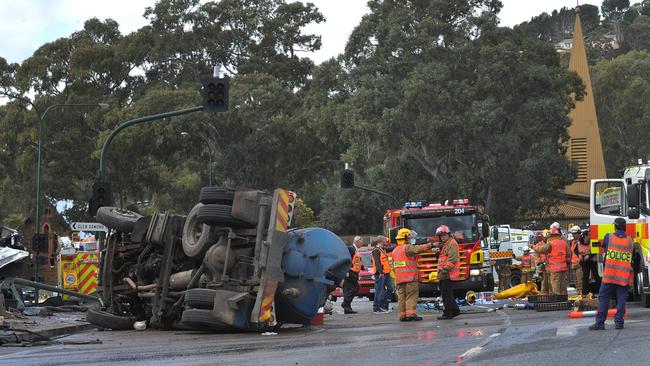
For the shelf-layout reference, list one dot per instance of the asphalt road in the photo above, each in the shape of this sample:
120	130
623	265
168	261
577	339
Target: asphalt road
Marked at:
498	338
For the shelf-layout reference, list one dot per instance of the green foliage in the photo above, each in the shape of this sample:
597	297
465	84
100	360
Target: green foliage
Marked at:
620	87
431	100
303	215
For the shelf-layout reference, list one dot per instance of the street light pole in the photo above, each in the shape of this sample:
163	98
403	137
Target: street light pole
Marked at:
210	153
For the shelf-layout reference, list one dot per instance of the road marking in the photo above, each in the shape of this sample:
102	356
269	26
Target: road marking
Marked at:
476	350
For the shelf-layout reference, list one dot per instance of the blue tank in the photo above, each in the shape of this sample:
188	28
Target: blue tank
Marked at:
314	262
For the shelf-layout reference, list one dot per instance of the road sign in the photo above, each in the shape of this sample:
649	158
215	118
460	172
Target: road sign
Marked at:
88	226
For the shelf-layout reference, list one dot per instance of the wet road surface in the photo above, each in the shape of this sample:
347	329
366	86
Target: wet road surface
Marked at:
496	338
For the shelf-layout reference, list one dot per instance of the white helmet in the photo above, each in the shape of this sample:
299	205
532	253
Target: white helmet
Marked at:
555	225
575	229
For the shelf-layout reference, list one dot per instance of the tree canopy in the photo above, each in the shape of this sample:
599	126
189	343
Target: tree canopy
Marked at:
429	100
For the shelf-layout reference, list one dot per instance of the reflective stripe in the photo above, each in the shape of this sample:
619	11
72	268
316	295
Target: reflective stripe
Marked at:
618	261
406	269
557	257
443	262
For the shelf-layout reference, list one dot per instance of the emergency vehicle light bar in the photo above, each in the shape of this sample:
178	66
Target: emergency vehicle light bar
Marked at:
463	201
416	204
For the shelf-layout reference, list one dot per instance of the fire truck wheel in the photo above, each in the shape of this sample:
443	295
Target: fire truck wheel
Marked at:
202	319
197	237
117	218
200	298
107	320
223	196
220	215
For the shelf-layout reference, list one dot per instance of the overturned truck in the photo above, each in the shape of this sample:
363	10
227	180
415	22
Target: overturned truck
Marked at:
231	264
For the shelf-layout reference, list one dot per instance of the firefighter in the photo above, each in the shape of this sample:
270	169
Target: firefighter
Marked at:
559	255
576	268
448	272
617	274
383	282
526	265
351	281
406	274
589	264
540	263
504	271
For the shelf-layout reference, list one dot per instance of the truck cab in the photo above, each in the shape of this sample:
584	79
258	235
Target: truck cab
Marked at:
626	197
467	225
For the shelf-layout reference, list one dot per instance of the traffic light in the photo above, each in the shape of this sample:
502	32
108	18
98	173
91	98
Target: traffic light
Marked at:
215	94
39	243
347	178
101	197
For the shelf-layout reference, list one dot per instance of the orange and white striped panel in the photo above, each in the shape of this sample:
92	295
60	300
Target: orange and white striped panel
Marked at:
282	215
266	310
87	269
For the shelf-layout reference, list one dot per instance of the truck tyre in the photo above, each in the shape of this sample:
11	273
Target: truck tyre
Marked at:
107	320
220	215
515	278
117	218
202	319
200	298
222	196
197	237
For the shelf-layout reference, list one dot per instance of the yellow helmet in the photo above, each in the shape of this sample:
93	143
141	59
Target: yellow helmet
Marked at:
404	233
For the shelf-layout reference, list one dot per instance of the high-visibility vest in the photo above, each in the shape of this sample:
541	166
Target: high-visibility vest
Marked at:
383	258
575	258
557	257
618	261
356	263
406	269
526	263
443	261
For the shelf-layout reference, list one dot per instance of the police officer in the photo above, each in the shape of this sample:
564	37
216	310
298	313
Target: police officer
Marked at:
407	274
617	274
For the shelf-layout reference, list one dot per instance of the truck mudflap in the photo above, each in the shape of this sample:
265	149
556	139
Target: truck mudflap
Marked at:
270	262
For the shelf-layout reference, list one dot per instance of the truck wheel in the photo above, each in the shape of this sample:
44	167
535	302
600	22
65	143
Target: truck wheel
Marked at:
222	196
197	237
371	297
515	278
220	215
202	319
117	218
107	320
200	298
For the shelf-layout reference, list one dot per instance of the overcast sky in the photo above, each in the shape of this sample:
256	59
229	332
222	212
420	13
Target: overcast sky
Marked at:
25	25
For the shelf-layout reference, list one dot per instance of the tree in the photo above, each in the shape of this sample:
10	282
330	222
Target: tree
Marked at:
456	111
620	86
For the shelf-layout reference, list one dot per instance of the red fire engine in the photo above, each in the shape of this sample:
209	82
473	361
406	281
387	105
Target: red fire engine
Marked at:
467	225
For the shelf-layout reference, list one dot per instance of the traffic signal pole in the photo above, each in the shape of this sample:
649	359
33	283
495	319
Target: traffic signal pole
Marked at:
102	161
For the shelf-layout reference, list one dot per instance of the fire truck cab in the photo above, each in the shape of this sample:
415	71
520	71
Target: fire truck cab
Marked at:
468	226
627	197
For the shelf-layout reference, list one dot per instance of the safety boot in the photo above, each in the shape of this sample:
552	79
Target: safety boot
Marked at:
597	327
